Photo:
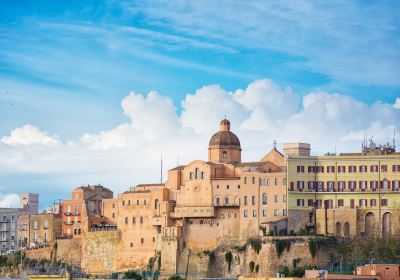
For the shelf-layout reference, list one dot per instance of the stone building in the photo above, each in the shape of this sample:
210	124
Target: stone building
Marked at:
355	194
8	229
199	205
83	209
38	230
29	203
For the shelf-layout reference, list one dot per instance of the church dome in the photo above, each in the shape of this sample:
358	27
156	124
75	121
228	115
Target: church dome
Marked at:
224	137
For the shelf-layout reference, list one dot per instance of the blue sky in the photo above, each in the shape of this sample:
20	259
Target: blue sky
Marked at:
65	66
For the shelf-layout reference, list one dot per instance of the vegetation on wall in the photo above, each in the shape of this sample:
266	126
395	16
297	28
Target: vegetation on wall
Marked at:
175	277
212	257
133	274
257	268
296	272
229	260
255	244
281	245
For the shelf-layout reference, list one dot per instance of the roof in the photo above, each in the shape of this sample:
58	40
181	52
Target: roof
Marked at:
224	139
251	163
180	167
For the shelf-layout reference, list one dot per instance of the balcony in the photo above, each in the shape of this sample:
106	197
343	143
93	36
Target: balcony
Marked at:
156	221
5	221
67	213
227	205
68	222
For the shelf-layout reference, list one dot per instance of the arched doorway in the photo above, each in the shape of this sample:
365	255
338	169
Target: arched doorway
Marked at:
346	230
338	229
369	225
386	225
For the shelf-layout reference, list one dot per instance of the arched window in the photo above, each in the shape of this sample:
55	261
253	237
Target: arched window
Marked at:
268	182
79	231
224	154
202	175
226	200
217	201
346	230
156	204
264	199
338	229
75	231
196	173
264	182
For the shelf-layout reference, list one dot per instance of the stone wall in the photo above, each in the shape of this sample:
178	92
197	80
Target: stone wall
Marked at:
69	251
46	253
99	251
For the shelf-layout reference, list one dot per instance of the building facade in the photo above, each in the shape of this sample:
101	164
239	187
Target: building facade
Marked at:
354	194
8	229
84	208
29	203
38	230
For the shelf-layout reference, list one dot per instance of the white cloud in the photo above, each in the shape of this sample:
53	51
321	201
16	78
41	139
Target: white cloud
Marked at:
9	200
259	114
397	103
30	135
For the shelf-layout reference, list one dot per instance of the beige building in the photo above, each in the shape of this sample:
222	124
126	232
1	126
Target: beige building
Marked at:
38	230
355	194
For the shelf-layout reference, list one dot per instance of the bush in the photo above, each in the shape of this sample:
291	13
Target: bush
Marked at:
133	274
281	245
312	247
255	244
257	268
212	257
175	277
229	259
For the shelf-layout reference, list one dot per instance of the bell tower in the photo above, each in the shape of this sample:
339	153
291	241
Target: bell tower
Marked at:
224	146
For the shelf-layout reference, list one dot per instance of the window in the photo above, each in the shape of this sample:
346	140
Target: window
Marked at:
196	173
300	185
253	180
131	244
276	198
396	185
363	168
190	175
142	240
226	200
373	202
362	203
331	186
154	239
276	181
202	175
253	200
254	213
320	169
141	220
385	184
300	169
396	168
310	203
284	213
264	213
123	202
331	169
291	188
284	198
144	202
311	169
35	225
126	220
224	154
137	202
363	185
352	203
133	220
113	215
341	185
383	168
342	169
245	200
352	185
374	168
320	186
374	185
340	202
245	180
113	205
328	203
310	185
227	187
352	169
264	199
217	201
276	212
264	182
156	204
129	202
238	187
245	213
384	202
300	202
284	181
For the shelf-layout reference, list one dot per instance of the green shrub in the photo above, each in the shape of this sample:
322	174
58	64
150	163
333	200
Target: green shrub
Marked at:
312	247
257	268
255	244
281	245
212	257
133	274
175	277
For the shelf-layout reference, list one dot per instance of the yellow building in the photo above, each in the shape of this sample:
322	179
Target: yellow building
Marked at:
355	194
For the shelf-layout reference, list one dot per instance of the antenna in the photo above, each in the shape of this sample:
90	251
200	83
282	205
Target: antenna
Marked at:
274	143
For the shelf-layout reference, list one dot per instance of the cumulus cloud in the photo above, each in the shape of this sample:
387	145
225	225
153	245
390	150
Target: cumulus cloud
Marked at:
9	200
30	135
397	103
259	114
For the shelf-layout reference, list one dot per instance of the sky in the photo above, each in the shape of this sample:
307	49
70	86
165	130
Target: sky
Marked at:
95	92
